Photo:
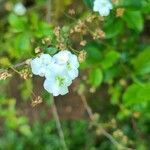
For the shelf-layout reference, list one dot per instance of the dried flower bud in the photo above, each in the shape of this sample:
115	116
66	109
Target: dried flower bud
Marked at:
123	82
28	61
37	101
57	31
120	12
61	46
72	31
83	43
82	56
4	75
71	11
136	114
80	27
37	50
25	74
92	90
115	2
90	18
98	34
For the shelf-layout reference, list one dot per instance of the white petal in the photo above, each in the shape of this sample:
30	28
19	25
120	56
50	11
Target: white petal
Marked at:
74	61
61	57
103	7
19	9
49	84
35	66
73	73
64	91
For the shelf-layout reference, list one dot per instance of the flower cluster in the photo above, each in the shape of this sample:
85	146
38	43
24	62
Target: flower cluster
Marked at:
58	70
103	7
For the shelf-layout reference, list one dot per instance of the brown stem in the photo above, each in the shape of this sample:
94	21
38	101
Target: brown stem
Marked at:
58	124
104	132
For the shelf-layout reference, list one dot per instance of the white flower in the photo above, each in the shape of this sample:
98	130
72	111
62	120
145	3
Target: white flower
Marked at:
58	70
103	7
67	61
19	9
41	65
57	81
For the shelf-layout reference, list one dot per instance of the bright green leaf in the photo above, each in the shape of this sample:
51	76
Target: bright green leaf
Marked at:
110	59
95	77
136	94
134	20
141	63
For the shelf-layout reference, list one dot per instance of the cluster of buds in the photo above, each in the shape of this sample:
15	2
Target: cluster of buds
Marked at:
82	56
120	12
118	134
25	74
60	40
98	34
71	12
80	27
90	18
38	100
46	41
4	75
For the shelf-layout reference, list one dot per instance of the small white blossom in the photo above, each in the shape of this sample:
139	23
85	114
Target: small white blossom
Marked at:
19	9
103	7
69	62
41	65
57	81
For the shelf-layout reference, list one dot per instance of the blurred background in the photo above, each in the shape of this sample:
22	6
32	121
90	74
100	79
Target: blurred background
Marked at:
108	106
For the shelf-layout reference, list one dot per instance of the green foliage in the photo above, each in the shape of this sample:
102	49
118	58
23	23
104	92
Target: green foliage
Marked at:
116	72
110	59
134	20
141	63
137	94
95	77
89	3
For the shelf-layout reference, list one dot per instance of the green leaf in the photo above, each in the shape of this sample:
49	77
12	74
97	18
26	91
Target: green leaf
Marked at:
43	30
141	63
25	130
110	59
51	50
20	45
134	20
89	3
136	94
95	77
130	4
93	53
113	27
18	22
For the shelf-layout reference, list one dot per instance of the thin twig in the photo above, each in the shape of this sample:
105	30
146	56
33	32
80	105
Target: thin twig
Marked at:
104	132
58	124
26	62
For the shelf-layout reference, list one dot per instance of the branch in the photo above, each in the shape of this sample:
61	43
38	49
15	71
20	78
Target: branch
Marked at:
58	124
26	62
104	132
